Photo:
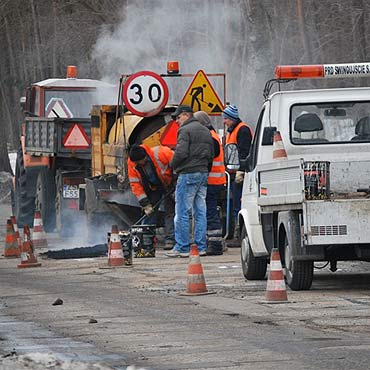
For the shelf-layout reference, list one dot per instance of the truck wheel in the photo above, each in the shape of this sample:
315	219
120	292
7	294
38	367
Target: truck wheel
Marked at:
254	268
45	198
298	274
24	204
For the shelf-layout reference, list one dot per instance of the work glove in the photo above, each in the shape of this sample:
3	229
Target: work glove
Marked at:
239	177
148	209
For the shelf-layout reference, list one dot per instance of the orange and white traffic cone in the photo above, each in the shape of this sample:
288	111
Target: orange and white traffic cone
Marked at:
28	259
115	253
196	284
17	235
11	244
275	289
278	150
38	235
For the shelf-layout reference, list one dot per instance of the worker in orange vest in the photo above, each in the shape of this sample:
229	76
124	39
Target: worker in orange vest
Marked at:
238	133
216	183
150	176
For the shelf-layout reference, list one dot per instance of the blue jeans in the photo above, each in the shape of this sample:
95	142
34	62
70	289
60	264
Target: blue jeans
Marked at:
190	196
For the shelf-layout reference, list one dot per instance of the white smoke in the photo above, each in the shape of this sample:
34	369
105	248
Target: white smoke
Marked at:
199	34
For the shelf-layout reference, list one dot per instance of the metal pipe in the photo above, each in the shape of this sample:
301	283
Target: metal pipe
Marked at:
227	205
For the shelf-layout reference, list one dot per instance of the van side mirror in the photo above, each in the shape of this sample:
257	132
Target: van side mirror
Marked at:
231	155
268	135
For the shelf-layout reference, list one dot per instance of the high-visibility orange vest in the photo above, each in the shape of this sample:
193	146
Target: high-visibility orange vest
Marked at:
231	138
217	174
161	157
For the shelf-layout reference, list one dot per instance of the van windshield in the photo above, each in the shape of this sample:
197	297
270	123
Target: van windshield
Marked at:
325	123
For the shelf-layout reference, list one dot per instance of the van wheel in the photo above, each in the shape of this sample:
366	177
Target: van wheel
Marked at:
254	268
298	274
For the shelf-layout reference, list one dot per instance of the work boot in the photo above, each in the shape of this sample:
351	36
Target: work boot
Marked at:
214	242
235	241
224	246
212	251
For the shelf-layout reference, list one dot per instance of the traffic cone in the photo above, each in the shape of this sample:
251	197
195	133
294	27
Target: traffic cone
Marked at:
38	235
196	284
115	253
28	259
278	150
11	245
17	235
275	289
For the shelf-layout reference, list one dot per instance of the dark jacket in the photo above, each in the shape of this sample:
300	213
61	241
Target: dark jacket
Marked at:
243	140
194	148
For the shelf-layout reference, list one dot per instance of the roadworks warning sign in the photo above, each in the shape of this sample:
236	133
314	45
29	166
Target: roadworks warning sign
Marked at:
202	96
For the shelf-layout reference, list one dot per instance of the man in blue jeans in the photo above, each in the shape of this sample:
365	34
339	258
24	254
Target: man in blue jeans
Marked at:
191	162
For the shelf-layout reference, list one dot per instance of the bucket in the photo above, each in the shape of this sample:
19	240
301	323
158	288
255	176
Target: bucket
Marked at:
126	243
143	240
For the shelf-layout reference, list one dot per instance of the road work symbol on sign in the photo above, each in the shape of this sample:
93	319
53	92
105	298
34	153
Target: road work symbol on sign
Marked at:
145	93
57	108
202	96
76	138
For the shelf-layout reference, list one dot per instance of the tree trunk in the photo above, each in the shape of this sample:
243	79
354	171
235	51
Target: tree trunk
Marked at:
37	38
303	33
4	157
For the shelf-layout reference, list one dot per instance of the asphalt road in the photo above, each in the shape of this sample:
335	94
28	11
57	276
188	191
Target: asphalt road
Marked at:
136	315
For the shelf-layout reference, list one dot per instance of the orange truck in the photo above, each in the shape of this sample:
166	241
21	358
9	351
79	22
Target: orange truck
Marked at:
54	155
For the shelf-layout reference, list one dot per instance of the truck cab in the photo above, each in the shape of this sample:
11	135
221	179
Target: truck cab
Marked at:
306	189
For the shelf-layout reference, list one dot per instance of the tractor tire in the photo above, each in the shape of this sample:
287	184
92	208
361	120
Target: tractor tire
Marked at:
254	268
45	198
24	204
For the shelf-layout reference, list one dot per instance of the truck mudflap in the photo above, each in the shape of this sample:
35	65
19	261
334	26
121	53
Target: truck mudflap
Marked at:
336	222
67	203
255	235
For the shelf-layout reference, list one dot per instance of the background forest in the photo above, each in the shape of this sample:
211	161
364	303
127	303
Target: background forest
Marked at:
104	38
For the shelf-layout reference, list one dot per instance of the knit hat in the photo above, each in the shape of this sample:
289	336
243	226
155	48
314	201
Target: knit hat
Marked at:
203	118
137	152
231	112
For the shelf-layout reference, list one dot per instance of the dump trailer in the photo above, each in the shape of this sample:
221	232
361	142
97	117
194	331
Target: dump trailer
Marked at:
54	156
306	189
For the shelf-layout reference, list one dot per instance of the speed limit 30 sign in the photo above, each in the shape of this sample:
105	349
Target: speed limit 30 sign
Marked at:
145	93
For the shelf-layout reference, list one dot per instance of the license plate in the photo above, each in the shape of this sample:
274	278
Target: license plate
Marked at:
70	191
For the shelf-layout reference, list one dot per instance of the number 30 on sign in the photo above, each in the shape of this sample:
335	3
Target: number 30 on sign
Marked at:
145	93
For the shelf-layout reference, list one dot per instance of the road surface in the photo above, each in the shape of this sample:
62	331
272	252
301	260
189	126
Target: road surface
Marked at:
114	318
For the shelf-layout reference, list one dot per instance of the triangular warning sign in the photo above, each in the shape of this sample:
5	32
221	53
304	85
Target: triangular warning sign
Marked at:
202	96
76	138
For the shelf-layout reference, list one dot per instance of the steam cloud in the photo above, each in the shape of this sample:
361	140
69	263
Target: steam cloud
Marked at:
199	34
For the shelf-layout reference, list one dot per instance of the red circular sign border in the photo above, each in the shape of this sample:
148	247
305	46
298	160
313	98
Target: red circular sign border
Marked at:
159	79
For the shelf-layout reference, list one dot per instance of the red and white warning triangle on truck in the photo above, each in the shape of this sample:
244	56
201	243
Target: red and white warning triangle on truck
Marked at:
76	138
